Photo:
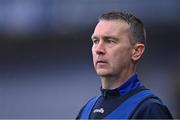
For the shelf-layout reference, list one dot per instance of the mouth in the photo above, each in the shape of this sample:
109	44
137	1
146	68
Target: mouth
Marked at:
101	62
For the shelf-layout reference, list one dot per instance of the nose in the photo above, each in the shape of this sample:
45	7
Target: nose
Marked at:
100	48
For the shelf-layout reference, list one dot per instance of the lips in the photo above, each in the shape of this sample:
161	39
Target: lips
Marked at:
101	61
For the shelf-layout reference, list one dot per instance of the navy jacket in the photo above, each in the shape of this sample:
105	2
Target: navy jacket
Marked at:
130	101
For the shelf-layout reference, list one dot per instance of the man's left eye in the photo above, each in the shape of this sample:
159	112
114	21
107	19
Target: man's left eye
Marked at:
110	41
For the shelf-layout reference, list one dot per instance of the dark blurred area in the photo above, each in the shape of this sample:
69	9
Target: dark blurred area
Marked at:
46	68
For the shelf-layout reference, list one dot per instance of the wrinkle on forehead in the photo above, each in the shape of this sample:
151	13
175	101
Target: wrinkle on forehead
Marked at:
111	28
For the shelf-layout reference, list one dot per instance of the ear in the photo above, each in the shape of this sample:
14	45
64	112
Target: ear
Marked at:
137	51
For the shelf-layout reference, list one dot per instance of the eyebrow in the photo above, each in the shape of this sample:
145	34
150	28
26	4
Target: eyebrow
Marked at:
94	37
105	37
111	37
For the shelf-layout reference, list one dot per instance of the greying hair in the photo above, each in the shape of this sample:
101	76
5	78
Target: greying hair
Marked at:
137	29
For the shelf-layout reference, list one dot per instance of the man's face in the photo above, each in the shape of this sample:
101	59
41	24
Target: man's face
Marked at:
111	48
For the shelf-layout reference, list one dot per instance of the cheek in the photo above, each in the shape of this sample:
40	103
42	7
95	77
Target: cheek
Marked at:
92	50
93	54
122	56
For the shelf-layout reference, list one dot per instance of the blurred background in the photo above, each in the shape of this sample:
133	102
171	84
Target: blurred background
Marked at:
46	68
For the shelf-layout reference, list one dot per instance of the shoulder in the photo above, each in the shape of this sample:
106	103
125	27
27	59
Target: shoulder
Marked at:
153	109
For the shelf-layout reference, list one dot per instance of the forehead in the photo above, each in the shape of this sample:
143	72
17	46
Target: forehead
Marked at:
111	27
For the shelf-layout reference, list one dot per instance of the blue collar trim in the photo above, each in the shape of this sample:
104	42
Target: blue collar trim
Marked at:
126	87
129	85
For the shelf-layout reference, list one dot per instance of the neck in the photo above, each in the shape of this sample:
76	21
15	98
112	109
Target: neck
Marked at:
114	81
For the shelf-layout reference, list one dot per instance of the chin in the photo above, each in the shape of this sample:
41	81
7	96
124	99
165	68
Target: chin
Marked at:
102	73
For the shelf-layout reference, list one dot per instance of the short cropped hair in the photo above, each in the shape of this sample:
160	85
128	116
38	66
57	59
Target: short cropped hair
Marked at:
137	29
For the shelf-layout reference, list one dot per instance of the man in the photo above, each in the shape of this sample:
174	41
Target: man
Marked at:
118	44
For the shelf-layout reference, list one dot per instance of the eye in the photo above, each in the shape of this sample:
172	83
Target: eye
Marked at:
110	41
95	41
